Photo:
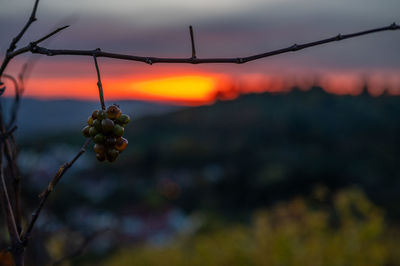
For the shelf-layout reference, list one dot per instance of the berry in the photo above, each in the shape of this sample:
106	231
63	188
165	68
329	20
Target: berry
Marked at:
124	119
100	157
106	128
111	141
101	115
121	144
85	131
99	148
90	121
112	155
113	112
94	114
118	130
97	124
99	138
107	125
92	131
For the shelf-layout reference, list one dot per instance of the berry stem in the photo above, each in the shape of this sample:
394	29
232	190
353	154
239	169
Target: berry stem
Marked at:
99	85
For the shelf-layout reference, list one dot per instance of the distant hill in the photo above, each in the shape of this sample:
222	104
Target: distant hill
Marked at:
50	116
238	155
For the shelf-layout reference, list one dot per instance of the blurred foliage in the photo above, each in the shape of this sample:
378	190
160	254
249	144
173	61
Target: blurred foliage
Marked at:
349	230
226	161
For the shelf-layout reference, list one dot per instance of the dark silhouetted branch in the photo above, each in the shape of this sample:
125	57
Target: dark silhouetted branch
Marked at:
81	248
13	53
192	42
45	194
237	60
99	85
31	19
12	226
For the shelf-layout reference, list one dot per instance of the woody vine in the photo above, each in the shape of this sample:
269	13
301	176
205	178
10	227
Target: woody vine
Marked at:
105	127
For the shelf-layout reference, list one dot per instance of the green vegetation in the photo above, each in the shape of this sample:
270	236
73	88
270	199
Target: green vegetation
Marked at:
344	230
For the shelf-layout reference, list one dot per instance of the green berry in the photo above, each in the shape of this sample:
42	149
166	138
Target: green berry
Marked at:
97	124
112	155
113	112
101	115
92	131
99	138
107	125
90	121
85	131
124	119
118	130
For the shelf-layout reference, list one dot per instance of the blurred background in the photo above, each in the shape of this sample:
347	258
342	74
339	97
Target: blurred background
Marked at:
290	160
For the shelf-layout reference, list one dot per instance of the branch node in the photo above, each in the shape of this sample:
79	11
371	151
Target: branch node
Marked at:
294	47
148	61
240	60
339	37
96	52
394	26
33	47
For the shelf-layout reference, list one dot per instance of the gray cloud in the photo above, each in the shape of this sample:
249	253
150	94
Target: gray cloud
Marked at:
222	28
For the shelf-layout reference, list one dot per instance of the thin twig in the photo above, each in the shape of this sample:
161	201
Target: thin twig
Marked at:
11	53
10	213
192	42
99	85
81	248
236	60
15	106
45	194
49	35
31	19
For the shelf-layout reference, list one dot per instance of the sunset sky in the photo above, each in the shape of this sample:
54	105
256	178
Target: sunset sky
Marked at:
224	28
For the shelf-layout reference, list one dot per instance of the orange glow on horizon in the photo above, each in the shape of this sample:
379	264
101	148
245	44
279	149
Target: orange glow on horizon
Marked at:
202	88
191	88
194	89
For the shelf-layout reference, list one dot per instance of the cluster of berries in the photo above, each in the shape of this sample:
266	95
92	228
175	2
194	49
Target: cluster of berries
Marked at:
106	128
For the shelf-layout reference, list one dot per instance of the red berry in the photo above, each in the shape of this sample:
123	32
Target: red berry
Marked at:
94	114
113	112
121	144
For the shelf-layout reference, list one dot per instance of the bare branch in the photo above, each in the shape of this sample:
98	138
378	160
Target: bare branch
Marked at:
11	53
236	60
81	248
15	106
9	210
31	19
99	85
45	194
192	41
49	35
